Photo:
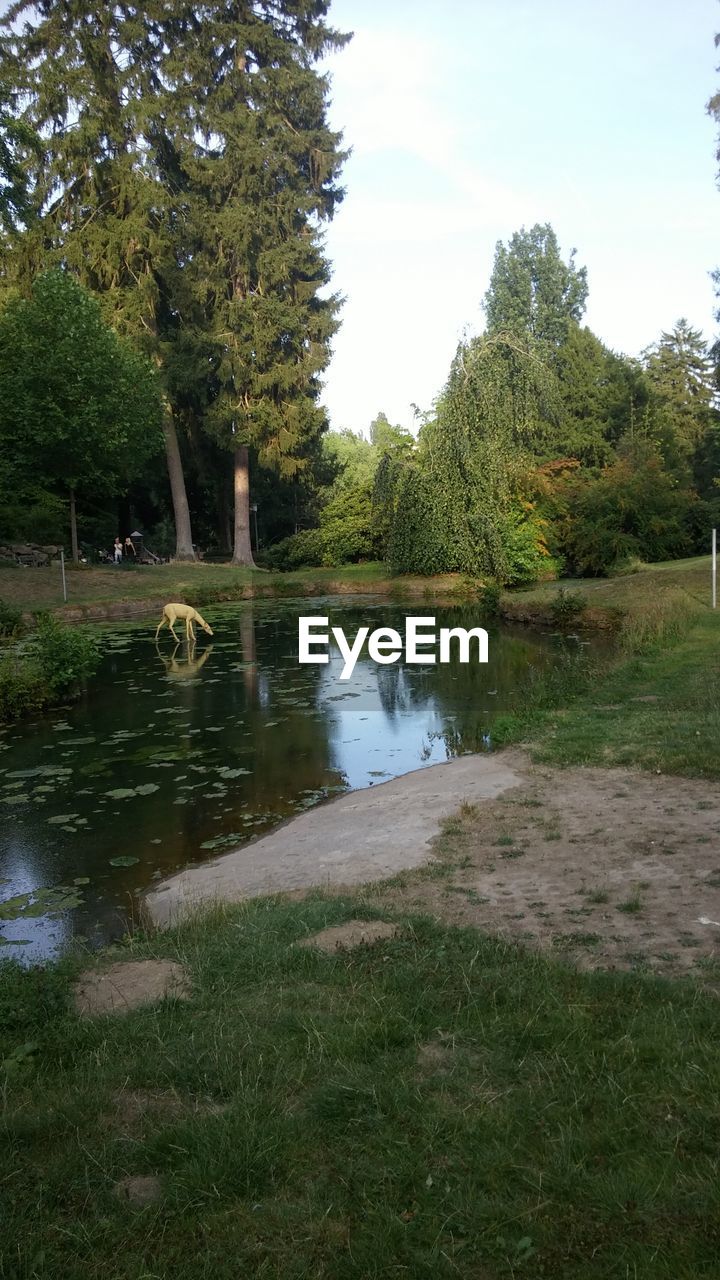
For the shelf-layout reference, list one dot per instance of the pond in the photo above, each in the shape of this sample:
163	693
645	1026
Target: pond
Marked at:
173	756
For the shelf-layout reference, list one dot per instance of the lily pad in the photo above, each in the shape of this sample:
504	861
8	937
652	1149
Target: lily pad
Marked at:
62	819
126	860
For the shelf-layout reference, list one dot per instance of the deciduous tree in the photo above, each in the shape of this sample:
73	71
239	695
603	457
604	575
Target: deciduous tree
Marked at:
80	410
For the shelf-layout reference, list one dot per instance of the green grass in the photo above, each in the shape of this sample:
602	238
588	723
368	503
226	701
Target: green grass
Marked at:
442	1105
34	589
656	709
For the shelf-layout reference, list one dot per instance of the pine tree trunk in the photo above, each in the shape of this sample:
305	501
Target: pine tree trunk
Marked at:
242	552
224	520
183	531
73	528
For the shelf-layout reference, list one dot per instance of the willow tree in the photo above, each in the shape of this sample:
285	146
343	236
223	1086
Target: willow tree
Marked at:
459	502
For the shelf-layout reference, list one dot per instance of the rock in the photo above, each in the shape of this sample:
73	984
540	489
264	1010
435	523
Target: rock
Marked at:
139	1190
354	933
129	984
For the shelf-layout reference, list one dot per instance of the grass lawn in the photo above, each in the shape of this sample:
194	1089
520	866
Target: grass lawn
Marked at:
657	708
439	1105
33	589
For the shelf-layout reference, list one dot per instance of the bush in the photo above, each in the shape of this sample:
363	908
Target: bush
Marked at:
633	508
66	656
22	688
566	606
347	527
628	564
490	599
52	666
527	558
10	620
297	551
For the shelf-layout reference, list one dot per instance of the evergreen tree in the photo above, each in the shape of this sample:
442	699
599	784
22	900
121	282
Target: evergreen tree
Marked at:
604	396
186	167
460	500
88	77
263	166
681	372
532	290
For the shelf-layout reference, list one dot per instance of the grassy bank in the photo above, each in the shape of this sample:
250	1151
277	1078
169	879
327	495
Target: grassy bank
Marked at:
654	703
33	589
438	1105
97	592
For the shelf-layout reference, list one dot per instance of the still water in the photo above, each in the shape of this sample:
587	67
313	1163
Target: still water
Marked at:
174	755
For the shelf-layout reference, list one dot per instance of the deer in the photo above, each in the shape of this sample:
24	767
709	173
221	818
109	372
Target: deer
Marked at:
185	613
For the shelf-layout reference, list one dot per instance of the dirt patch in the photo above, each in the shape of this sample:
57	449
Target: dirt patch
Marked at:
134	1108
354	933
609	868
127	985
139	1190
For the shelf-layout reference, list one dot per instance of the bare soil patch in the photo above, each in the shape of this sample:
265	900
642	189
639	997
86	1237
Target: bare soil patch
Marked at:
139	1190
354	933
127	985
135	1108
609	868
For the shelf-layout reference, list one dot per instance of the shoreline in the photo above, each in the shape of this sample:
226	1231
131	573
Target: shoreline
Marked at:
368	834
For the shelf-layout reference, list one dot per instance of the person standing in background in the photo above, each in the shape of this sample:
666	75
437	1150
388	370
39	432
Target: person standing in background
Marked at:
118	551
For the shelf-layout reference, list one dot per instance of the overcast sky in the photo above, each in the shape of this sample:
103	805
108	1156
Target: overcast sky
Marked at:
472	119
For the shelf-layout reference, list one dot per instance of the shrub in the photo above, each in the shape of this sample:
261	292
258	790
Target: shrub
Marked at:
524	541
300	549
52	666
10	620
633	508
490	599
628	564
566	606
22	688
66	656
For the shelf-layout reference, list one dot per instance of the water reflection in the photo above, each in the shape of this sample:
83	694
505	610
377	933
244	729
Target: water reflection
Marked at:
189	664
178	753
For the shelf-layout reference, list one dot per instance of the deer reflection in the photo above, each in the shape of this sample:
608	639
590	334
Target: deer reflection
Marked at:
181	668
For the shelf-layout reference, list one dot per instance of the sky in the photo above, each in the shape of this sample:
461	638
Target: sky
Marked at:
472	119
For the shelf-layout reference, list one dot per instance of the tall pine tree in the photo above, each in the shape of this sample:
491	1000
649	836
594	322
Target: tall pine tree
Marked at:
263	167
186	168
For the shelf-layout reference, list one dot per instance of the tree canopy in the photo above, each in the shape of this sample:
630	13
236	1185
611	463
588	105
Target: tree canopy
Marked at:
80	409
186	166
532	290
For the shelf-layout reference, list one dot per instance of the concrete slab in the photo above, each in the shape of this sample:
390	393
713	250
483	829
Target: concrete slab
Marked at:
362	836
